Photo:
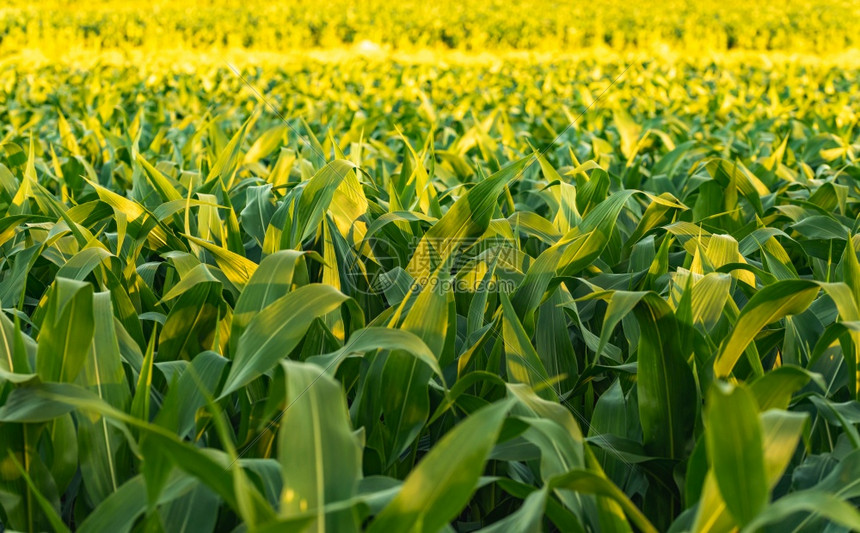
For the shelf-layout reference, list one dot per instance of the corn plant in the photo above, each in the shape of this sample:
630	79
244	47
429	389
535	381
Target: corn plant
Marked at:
409	297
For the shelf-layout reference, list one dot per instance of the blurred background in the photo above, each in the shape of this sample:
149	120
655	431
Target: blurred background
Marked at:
795	26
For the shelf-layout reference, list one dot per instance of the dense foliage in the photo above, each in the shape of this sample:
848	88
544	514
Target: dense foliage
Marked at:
407	296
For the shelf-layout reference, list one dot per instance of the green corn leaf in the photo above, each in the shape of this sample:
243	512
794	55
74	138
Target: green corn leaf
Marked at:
768	305
736	450
275	331
441	484
666	388
319	455
66	331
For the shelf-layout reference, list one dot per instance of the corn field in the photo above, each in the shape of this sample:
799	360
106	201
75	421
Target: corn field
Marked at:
442	283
